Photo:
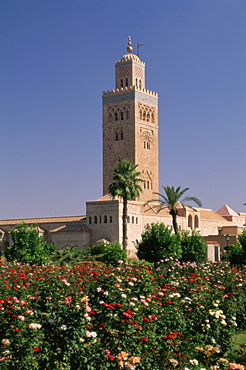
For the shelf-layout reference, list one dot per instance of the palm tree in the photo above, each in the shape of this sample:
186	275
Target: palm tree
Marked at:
171	200
125	185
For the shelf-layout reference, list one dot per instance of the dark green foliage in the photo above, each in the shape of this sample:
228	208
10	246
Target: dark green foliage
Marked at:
69	256
236	253
112	254
27	246
109	254
158	242
194	248
98	249
242	241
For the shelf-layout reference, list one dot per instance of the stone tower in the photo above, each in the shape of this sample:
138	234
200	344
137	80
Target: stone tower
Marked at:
130	124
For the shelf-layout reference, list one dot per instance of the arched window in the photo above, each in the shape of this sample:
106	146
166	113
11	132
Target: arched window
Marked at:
136	220
121	83
121	116
95	219
152	118
89	220
148	117
140	83
127	114
100	219
144	184
121	136
147	184
144	116
144	144
116	116
110	117
141	114
116	136
128	219
196	221
126	81
132	219
136	81
111	219
190	221
105	219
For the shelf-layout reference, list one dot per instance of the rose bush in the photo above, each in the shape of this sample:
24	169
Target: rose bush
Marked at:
92	316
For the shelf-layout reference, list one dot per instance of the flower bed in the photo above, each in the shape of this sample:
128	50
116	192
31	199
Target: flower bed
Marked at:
92	316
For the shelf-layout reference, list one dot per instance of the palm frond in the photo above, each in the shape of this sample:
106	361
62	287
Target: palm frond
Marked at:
193	199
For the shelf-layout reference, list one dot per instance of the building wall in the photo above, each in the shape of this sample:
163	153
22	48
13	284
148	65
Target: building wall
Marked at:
221	240
97	213
81	239
209	227
213	251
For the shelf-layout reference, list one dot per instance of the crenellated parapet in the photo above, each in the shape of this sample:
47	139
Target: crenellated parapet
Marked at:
127	89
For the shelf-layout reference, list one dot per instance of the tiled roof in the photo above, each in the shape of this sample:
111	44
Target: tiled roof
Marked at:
42	220
225	210
209	214
70	228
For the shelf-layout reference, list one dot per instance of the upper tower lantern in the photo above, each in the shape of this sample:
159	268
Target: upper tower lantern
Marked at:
130	71
130	124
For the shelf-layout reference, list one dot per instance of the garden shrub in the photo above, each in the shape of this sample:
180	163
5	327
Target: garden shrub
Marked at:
158	242
98	249
236	253
194	248
112	254
27	246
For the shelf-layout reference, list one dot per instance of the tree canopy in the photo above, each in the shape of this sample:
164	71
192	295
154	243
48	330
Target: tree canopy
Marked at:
171	199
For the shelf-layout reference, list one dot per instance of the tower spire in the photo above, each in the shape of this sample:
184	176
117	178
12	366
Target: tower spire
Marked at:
129	47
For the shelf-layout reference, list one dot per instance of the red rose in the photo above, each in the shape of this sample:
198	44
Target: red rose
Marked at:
146	319
144	339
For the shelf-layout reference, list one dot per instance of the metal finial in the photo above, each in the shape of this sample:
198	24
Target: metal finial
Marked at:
129	47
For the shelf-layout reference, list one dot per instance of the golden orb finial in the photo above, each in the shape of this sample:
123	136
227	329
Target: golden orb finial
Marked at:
129	47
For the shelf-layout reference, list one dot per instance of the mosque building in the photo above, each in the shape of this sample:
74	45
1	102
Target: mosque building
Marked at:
130	131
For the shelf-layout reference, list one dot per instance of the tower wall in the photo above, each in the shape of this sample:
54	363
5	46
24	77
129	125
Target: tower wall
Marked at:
130	125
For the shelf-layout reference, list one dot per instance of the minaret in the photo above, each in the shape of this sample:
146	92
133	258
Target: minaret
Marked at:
130	124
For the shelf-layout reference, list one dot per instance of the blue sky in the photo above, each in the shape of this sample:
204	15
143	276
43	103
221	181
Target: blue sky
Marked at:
57	56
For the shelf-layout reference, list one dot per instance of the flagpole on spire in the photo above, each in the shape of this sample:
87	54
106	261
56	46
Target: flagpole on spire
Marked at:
138	47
